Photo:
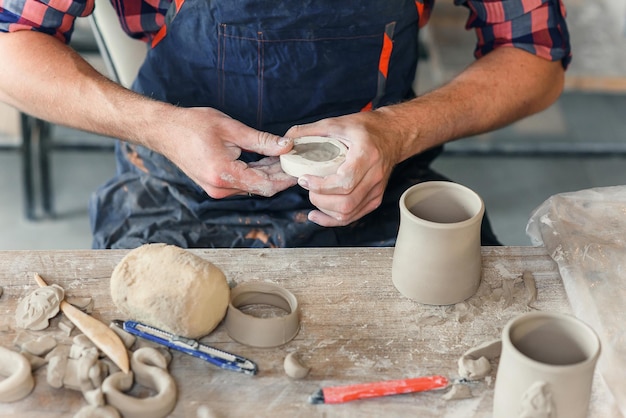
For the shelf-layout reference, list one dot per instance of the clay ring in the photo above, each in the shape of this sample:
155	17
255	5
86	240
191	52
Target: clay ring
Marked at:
19	379
315	155
262	332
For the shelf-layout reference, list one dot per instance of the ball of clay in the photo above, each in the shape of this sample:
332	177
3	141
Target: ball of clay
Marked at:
170	288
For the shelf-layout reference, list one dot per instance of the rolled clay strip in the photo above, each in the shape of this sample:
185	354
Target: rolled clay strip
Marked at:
149	368
262	332
316	155
19	379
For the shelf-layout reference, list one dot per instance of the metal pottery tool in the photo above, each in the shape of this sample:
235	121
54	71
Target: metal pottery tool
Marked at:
190	346
102	336
341	394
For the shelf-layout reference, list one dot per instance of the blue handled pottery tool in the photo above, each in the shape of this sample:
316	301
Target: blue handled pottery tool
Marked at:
189	346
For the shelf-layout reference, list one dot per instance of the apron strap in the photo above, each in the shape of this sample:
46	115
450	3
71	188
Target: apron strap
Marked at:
383	66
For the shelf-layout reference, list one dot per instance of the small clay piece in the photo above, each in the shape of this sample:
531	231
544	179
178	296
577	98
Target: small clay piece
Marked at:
71	380
40	346
474	364
314	155
83	341
36	362
171	289
204	411
458	391
1	291
94	411
95	397
85	304
66	326
531	287
60	350
57	366
294	367
18	381
127	338
149	368
262	332
34	311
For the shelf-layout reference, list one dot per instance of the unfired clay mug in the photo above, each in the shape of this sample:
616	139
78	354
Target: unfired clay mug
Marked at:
437	258
546	367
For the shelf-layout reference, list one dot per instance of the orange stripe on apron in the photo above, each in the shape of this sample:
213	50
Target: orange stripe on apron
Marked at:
163	31
383	66
422	12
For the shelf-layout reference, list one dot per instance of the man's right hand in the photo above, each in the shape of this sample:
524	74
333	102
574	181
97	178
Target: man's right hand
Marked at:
48	79
206	144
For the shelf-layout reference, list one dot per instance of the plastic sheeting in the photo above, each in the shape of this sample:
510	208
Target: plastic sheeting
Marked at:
585	233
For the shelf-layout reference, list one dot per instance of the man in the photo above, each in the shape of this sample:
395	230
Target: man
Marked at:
227	85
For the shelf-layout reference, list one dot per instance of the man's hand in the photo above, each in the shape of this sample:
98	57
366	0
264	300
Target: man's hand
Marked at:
206	145
496	90
358	186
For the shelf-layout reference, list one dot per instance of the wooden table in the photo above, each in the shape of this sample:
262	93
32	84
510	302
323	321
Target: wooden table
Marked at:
355	327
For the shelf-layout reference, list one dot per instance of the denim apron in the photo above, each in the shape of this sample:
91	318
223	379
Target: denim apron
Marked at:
270	65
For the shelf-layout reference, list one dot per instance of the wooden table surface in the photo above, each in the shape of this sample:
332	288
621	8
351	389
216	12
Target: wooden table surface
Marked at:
355	327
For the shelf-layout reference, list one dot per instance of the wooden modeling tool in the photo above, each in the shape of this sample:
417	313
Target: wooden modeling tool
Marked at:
340	394
101	335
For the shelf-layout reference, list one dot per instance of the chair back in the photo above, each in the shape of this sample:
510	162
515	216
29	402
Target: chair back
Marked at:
122	54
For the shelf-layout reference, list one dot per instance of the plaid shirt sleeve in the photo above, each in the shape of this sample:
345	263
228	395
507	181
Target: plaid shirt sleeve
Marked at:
537	26
141	19
54	17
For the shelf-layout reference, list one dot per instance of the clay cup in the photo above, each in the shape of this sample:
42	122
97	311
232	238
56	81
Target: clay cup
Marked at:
546	367
437	259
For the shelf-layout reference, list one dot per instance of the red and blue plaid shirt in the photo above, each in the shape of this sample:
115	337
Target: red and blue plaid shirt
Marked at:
537	26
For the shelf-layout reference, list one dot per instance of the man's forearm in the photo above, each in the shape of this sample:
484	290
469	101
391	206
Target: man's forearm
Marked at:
504	86
48	79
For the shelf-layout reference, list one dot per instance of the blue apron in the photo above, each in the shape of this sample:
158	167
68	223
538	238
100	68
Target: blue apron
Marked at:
270	65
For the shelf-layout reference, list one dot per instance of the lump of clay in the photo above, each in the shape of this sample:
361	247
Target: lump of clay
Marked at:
170	288
294	368
34	311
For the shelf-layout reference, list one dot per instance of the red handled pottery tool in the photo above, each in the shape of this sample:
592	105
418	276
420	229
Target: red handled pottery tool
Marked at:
340	394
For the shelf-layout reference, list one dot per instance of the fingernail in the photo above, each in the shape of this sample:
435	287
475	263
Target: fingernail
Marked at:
303	183
284	141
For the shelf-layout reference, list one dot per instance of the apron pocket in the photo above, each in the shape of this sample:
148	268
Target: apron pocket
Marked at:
296	76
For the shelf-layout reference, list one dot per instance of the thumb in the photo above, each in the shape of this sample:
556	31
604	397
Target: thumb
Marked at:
268	144
309	129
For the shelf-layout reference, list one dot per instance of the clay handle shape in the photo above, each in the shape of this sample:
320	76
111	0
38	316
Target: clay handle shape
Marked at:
102	336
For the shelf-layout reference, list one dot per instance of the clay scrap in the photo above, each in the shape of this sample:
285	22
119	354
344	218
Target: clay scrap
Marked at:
34	311
474	364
